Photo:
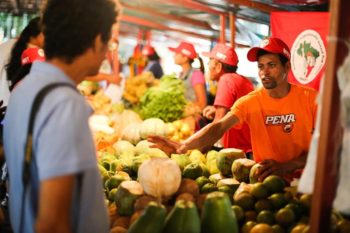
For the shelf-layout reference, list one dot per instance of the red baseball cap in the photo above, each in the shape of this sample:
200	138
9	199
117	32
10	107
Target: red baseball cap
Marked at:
148	50
271	45
186	49
224	54
32	54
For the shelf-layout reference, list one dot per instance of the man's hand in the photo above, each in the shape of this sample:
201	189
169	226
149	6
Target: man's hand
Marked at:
2	110
209	112
271	167
166	145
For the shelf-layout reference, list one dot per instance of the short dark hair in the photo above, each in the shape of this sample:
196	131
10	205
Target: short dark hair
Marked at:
33	29
228	68
283	59
71	26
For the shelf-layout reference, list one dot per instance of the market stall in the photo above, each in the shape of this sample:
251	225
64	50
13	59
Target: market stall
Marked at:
149	190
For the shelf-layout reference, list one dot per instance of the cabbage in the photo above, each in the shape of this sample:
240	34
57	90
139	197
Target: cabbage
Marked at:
165	101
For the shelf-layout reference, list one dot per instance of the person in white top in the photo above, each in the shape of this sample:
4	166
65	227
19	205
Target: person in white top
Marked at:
30	37
5	51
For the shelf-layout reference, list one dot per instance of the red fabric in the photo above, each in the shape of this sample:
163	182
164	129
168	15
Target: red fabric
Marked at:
272	45
32	54
308	54
148	50
230	88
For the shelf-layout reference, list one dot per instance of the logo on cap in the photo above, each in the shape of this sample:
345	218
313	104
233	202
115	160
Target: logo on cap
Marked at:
308	56
186	52
264	43
220	55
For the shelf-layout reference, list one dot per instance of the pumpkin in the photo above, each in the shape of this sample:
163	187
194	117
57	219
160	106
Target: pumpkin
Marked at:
131	133
123	146
160	177
153	126
100	123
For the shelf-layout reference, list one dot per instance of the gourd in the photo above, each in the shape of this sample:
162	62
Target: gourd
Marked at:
153	126
160	177
131	133
123	146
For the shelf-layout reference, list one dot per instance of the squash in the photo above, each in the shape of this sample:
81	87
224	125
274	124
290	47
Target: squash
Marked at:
131	133
160	177
153	126
123	146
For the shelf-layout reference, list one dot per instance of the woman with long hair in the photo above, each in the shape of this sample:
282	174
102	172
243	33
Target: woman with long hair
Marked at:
30	37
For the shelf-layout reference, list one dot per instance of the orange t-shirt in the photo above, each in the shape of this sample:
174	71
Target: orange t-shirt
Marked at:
280	129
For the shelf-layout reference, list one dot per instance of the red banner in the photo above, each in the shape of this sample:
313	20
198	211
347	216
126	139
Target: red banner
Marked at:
305	33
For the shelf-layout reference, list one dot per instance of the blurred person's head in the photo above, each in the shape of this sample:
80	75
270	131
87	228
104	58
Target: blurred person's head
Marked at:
31	36
223	59
76	29
185	54
150	53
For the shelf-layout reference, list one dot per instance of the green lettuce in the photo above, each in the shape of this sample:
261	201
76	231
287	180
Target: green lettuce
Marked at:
165	101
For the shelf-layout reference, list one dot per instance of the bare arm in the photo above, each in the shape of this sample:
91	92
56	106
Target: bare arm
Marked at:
201	96
205	137
54	205
209	134
220	113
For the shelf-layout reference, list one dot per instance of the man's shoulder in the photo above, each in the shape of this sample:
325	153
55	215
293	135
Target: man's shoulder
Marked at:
304	90
234	78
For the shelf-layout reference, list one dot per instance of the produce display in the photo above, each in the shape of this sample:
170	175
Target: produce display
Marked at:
135	87
147	190
195	192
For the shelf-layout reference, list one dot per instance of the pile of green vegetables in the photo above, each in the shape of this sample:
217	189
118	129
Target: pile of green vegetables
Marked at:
165	101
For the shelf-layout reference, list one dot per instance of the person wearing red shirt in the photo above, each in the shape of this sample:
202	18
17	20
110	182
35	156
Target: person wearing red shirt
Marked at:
231	86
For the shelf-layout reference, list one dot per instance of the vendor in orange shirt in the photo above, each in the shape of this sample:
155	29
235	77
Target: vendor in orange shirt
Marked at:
281	116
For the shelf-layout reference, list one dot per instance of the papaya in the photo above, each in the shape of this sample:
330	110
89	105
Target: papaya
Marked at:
217	214
151	220
183	218
126	195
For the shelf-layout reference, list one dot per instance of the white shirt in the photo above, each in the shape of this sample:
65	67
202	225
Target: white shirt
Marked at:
5	52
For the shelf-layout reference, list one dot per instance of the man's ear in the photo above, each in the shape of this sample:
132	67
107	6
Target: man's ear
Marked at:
98	44
218	67
287	66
